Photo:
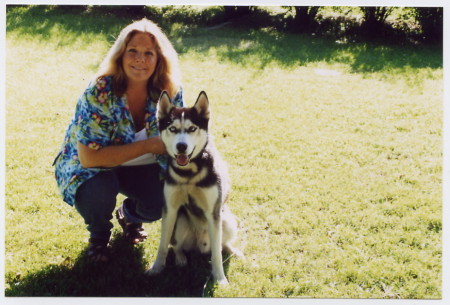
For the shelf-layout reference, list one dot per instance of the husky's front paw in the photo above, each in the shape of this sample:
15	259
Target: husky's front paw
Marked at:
155	269
222	281
219	277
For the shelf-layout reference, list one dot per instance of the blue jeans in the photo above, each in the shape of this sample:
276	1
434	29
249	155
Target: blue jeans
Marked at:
96	198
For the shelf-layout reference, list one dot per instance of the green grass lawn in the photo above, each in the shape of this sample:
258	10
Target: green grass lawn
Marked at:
335	153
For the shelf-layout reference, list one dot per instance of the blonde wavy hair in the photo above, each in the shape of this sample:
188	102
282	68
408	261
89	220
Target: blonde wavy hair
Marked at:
167	72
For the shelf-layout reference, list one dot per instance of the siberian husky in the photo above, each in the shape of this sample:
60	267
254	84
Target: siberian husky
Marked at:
197	185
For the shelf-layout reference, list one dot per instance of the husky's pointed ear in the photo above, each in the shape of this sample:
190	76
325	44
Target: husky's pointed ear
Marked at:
202	105
164	105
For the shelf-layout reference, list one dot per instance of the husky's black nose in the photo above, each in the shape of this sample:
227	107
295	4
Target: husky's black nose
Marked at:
181	147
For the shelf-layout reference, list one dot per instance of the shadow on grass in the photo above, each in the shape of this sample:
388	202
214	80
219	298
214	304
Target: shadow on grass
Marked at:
122	276
234	42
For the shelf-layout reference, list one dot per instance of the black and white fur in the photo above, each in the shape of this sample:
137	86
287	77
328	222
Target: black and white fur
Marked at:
197	185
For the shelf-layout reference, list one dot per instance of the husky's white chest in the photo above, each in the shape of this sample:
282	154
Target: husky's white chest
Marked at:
189	193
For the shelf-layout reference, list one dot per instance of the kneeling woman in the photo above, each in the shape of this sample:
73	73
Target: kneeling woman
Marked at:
112	145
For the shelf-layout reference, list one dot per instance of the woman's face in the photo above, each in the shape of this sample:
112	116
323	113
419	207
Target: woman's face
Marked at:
140	58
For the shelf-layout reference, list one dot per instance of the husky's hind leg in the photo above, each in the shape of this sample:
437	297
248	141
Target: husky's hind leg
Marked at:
229	233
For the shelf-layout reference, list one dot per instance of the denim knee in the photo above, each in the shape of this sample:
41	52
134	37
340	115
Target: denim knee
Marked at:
144	189
137	211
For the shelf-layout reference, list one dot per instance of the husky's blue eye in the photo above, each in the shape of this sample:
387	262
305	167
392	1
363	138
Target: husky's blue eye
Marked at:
172	129
192	129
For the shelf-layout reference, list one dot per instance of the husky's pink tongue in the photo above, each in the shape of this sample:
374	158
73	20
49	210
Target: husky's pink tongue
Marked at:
182	160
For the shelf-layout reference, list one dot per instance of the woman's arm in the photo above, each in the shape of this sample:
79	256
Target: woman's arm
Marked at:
115	155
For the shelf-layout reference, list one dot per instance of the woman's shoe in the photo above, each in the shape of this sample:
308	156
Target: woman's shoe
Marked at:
98	250
132	231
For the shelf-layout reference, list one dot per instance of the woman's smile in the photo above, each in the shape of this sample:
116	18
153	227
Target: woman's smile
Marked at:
138	68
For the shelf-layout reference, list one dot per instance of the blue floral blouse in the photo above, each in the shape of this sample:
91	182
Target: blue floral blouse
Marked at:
101	119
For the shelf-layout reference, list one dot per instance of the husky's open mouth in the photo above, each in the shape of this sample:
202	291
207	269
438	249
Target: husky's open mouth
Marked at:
184	159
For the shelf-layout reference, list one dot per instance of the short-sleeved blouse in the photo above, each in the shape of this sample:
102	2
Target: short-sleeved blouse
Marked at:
101	119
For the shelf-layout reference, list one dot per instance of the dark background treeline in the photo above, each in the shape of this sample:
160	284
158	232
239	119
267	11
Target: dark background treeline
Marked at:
395	24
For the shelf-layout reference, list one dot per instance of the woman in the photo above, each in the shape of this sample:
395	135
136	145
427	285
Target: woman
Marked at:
112	145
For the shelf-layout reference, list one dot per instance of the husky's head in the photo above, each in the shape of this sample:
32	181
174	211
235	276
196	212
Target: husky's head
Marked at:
184	131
